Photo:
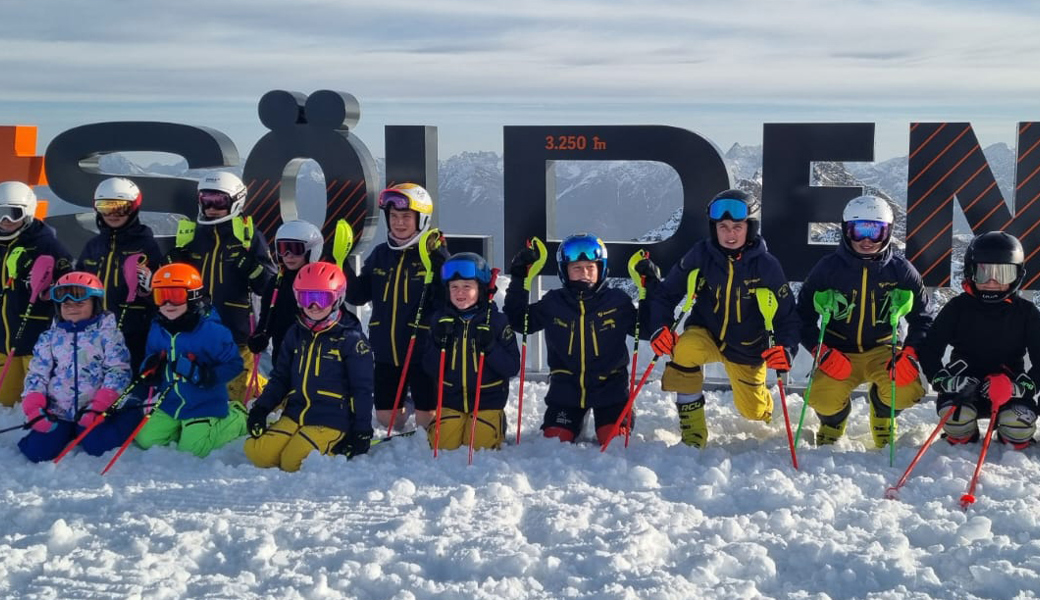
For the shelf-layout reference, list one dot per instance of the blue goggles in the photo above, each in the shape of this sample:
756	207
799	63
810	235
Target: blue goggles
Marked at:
76	293
465	269
730	209
582	248
875	231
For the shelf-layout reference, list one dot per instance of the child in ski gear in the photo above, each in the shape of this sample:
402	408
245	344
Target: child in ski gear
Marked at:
725	324
467	327
989	328
123	255
232	258
393	279
323	377
296	244
77	370
23	240
586	326
861	276
194	356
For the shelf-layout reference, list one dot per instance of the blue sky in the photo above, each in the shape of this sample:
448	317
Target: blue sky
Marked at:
719	68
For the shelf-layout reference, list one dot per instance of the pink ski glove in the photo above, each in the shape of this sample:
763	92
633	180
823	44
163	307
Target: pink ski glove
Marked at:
103	400
35	405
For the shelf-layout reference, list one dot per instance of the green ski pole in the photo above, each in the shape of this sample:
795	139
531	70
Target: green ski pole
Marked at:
824	303
900	302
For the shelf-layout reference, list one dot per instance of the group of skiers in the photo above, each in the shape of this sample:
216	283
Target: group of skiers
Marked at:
134	345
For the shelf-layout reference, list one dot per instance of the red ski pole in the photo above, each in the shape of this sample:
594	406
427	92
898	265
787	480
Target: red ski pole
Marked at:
999	392
140	426
532	271
100	418
892	493
480	368
440	403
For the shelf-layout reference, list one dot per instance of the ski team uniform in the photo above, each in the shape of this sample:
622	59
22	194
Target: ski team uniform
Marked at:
392	280
199	419
104	256
276	322
70	363
230	271
38	239
861	329
461	363
725	324
324	378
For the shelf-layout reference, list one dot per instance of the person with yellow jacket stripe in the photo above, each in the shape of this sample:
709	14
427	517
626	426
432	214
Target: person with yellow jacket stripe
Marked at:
725	324
323	376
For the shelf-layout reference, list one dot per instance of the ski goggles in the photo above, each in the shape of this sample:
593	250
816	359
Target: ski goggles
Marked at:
113	208
172	295
74	293
1003	274
214	199
12	214
730	209
875	231
464	269
290	247
582	248
388	199
320	298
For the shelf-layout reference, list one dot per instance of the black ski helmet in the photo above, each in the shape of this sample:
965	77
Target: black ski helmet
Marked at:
994	247
753	214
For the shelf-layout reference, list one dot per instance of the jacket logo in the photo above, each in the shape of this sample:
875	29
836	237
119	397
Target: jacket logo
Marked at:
361	348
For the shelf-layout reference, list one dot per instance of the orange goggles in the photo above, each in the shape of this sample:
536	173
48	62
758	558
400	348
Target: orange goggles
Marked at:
116	208
173	295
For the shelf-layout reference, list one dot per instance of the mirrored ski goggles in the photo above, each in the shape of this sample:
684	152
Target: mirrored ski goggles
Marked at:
394	200
12	214
582	248
171	295
113	208
464	269
290	247
875	231
1003	274
74	293
728	208
214	199
320	298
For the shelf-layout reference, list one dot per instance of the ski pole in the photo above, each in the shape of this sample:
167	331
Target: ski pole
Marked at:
25	425
254	381
892	493
40	278
140	426
691	295
532	271
999	392
130	266
440	403
424	256
480	366
824	304
640	281
900	303
768	305
342	242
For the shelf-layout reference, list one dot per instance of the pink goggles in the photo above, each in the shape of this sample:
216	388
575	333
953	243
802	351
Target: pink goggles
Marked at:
320	298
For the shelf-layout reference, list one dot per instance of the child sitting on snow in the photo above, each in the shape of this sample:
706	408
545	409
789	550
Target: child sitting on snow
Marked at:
323	375
193	357
77	370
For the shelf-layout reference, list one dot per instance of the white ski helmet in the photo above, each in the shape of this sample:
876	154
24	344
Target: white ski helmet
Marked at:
118	188
301	231
229	184
409	196
17	203
867	209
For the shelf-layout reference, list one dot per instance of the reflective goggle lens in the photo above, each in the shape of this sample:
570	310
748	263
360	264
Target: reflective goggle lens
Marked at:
875	231
581	249
728	208
393	200
323	299
12	213
175	296
460	269
214	199
293	247
1004	274
75	293
116	208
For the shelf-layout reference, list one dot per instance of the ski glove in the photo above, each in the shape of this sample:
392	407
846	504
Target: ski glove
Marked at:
34	405
952	380
19	264
144	279
152	368
188	367
443	331
522	260
257	343
777	357
257	420
905	368
834	363
648	269
103	400
354	443
663	341
1021	387
484	339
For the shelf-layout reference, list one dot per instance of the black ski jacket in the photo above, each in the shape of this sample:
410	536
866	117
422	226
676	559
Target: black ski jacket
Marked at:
38	239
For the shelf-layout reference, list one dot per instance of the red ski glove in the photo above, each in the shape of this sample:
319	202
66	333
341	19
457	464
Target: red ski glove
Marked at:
103	400
663	341
34	405
834	363
905	368
777	357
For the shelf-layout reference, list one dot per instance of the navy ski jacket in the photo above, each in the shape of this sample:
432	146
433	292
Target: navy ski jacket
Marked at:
38	239
324	376
726	304
277	321
865	284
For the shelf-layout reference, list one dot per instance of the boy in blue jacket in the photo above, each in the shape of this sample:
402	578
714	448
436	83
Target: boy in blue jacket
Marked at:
323	377
468	326
856	348
587	325
725	324
193	357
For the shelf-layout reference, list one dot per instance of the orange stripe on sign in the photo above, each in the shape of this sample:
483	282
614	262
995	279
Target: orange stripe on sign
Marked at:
1028	177
1032	279
1026	153
942	260
928	139
1024	127
988	215
932	241
943	178
332	200
348	202
929	217
274	188
980	196
938	156
1031	227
